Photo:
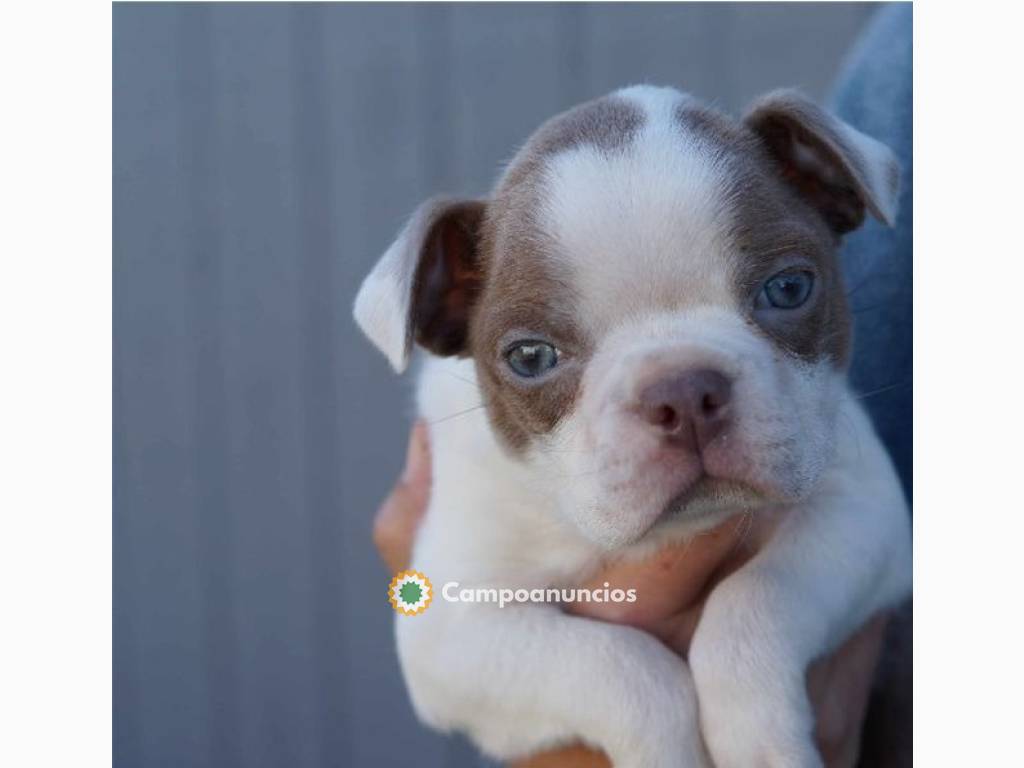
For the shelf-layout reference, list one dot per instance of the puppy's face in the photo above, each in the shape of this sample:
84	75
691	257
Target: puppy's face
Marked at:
652	301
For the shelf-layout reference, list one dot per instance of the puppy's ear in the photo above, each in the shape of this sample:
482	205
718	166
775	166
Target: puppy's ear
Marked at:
837	169
424	286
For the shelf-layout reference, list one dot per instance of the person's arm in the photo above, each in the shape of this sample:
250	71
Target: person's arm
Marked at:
673	585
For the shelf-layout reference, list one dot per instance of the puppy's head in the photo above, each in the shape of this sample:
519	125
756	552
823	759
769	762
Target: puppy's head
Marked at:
652	301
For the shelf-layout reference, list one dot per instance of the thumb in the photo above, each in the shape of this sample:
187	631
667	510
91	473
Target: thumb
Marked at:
394	528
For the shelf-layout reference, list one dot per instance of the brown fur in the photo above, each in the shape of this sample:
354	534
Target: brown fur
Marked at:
774	224
841	194
525	288
448	279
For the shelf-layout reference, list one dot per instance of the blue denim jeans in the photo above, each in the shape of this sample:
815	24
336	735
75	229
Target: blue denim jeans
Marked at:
874	93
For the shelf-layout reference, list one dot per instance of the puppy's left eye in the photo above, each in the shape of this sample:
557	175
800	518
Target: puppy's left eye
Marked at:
786	290
530	359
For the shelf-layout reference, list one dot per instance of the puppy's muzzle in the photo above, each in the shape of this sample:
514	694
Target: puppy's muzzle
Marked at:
688	409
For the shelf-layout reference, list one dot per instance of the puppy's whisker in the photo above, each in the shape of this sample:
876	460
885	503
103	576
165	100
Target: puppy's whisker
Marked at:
454	375
882	390
460	413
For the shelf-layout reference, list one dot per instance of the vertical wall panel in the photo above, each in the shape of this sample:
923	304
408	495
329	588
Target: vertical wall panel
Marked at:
776	45
314	151
164	698
501	95
672	44
376	66
267	513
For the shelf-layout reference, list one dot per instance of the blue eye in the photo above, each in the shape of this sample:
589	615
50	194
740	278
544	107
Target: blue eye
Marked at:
787	290
530	359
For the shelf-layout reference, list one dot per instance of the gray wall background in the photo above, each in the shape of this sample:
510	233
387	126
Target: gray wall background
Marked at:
264	156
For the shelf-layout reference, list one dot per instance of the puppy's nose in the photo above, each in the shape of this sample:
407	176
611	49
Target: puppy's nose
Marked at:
690	408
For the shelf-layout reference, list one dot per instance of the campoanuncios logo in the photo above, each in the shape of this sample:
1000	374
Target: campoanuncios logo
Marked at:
410	593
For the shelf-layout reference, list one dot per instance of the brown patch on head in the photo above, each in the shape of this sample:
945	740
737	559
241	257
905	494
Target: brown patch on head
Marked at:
525	289
608	123
773	225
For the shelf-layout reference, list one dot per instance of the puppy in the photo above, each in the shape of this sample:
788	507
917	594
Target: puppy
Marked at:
641	333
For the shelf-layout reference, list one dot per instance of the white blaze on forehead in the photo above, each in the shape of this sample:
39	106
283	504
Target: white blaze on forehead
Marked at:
643	226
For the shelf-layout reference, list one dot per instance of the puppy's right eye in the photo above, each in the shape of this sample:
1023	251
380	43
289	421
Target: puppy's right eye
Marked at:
530	359
786	290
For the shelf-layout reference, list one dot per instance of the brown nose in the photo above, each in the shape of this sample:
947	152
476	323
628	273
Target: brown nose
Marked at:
690	408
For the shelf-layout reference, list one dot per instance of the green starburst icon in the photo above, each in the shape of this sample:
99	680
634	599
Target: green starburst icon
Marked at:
410	592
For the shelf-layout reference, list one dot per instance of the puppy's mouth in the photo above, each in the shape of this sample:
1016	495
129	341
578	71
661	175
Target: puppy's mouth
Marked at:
710	497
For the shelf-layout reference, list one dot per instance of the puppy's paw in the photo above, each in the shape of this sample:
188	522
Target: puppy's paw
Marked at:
661	728
754	709
760	749
744	728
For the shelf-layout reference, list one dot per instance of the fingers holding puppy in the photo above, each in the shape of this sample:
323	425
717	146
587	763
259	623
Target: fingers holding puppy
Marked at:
399	516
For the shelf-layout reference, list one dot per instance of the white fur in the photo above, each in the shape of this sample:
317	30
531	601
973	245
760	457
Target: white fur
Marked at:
784	413
527	677
382	305
644	232
653	202
383	302
839	557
